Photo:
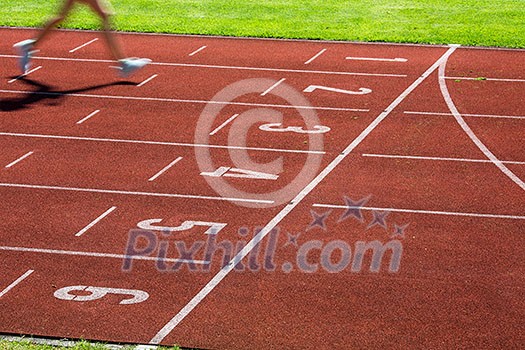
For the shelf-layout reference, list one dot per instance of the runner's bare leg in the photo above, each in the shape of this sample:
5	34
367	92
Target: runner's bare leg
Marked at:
64	11
105	15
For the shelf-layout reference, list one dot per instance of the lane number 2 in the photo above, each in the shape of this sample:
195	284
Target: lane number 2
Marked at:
361	91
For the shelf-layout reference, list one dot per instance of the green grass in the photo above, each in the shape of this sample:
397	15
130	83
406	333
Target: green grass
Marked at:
467	22
27	345
80	345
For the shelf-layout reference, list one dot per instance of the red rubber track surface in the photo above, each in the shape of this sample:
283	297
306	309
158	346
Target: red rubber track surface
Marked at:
461	280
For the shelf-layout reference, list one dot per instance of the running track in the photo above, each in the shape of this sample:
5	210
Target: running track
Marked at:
425	143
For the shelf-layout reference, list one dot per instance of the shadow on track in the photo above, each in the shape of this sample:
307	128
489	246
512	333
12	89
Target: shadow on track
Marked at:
45	92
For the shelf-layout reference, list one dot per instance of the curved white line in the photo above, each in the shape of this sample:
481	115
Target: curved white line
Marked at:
470	133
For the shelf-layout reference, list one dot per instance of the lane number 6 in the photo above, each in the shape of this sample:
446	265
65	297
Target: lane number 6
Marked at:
95	293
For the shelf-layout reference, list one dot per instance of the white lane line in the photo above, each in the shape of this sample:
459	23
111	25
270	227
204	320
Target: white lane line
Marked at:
19	159
315	57
214	282
94	222
466	160
426	212
198	50
83	45
23	75
159	143
467	115
98	255
132	193
148	80
89	116
262	69
175	100
224	124
166	168
398	59
15	283
508	80
273	87
470	133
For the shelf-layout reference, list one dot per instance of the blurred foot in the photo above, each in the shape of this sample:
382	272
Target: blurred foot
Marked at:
24	49
129	65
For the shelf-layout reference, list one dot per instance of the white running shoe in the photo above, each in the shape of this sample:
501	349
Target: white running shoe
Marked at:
130	65
24	49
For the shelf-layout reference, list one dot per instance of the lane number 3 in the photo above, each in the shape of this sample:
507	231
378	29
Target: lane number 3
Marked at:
278	127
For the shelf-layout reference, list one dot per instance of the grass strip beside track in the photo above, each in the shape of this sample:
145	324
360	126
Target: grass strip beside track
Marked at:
466	22
29	344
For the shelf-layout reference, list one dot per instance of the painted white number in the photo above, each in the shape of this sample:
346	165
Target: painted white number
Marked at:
398	59
214	227
95	293
224	171
362	91
278	127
